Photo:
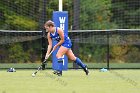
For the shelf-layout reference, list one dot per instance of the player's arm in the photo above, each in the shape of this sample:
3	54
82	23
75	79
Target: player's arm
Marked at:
61	34
49	44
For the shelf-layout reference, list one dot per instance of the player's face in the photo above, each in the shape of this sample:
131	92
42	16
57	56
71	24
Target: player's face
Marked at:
46	27
49	29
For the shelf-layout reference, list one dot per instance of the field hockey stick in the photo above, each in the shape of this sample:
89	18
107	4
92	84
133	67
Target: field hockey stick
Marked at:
39	68
45	60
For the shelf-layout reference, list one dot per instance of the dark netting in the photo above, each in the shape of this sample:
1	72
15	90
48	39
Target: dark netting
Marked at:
20	47
118	48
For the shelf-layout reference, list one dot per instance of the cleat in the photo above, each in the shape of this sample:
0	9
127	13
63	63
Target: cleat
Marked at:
59	73
86	70
55	72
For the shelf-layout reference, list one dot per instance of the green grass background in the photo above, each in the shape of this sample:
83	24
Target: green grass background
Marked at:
72	81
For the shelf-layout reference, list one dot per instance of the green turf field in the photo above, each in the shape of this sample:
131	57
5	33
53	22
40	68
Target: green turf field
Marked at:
72	81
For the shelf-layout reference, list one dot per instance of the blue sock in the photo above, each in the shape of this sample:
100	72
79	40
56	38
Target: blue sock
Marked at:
80	63
60	64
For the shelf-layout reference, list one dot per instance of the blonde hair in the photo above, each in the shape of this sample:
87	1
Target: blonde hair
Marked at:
49	23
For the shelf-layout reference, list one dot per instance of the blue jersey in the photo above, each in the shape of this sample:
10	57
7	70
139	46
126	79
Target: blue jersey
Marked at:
55	36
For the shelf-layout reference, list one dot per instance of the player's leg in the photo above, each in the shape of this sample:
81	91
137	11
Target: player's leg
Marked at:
72	57
62	50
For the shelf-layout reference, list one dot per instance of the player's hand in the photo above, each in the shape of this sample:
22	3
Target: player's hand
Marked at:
54	48
46	57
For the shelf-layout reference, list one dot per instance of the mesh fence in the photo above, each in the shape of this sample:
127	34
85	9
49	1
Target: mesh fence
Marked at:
119	45
84	15
20	47
118	48
126	13
107	14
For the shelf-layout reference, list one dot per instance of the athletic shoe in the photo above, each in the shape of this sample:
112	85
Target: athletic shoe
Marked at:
59	73
55	72
86	70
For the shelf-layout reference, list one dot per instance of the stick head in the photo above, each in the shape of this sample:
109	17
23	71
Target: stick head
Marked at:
33	75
